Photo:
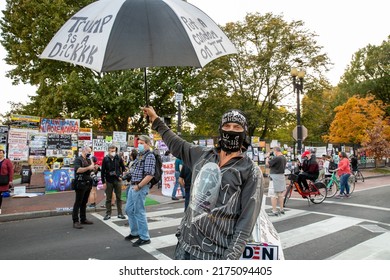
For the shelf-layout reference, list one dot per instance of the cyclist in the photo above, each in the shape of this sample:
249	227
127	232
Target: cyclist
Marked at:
309	167
343	171
354	163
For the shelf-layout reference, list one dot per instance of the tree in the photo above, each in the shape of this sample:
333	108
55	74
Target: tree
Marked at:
317	110
369	73
377	143
354	118
107	101
258	78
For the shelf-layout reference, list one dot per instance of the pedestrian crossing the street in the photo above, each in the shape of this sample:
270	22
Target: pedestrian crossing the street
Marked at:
304	235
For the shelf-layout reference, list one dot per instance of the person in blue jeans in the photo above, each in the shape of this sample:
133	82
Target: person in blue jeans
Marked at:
142	172
343	171
178	167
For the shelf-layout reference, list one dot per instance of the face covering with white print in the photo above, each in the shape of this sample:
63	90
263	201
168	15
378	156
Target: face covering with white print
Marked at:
231	141
113	154
141	148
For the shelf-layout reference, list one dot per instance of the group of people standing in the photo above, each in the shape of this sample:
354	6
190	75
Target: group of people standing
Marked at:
308	169
222	186
112	171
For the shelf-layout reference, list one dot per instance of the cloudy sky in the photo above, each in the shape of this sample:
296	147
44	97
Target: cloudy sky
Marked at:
343	27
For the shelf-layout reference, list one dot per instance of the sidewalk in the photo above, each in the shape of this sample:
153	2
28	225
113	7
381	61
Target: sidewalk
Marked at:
61	203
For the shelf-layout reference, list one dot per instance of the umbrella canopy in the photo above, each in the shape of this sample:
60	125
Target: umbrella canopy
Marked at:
110	35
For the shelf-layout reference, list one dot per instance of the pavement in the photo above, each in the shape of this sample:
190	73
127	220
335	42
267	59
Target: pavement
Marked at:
61	203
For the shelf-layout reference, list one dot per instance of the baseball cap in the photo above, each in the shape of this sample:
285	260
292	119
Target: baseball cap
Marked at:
305	154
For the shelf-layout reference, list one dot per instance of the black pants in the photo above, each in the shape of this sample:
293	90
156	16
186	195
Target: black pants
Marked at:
80	203
115	187
302	177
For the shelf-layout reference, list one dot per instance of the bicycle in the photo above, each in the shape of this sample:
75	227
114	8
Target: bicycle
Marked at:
358	175
316	193
333	185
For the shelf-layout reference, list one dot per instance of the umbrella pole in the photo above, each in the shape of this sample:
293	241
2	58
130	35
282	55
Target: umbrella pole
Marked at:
146	88
146	93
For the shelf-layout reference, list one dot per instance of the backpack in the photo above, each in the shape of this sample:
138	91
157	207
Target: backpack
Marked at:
157	169
332	166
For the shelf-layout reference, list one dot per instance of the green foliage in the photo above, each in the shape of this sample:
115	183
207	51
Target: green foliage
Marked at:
258	78
369	73
317	110
109	101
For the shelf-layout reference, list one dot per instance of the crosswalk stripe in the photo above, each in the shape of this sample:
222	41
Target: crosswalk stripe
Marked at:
315	230
290	213
164	212
124	231
164	224
373	248
164	241
377	248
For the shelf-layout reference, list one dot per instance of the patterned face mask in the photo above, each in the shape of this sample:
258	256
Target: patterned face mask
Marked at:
231	141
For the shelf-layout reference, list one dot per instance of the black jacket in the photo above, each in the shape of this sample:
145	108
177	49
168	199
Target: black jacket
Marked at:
112	169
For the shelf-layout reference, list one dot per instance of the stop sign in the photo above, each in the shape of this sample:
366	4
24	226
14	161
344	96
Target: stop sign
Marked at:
304	132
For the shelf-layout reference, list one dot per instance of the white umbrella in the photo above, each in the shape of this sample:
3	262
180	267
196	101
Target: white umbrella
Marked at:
112	35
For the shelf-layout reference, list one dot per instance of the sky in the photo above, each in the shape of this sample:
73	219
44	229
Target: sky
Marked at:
343	27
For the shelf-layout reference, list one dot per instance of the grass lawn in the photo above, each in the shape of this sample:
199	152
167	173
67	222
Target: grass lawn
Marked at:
148	200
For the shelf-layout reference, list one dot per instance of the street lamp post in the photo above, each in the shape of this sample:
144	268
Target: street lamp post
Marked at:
298	88
179	99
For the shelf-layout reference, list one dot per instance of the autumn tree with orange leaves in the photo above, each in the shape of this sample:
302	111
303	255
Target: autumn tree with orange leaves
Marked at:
355	120
378	142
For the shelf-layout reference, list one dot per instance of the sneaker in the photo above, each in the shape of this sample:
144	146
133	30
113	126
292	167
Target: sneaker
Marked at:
140	242
274	214
121	217
131	237
174	198
347	195
92	205
282	212
340	196
107	217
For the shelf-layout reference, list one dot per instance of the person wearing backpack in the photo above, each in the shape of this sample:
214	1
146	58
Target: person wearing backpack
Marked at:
142	174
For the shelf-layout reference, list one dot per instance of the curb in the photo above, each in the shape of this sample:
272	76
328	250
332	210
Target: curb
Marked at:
60	212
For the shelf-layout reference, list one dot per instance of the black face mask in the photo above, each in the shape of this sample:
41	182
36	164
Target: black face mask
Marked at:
231	141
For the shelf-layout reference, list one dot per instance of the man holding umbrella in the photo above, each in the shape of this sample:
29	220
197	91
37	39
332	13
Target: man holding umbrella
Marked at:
227	188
